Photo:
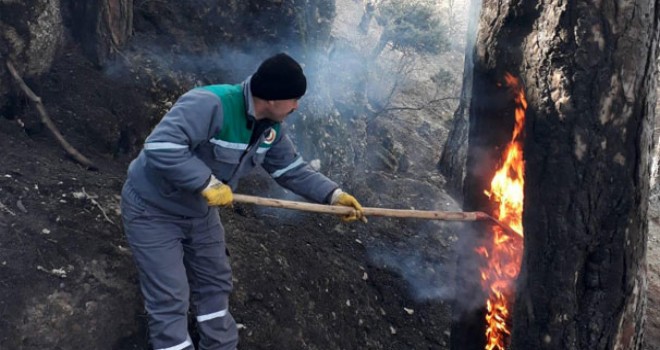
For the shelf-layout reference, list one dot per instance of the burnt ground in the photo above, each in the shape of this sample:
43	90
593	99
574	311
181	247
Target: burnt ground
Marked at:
302	281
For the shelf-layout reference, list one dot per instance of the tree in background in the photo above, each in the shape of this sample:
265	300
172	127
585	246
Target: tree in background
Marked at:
410	27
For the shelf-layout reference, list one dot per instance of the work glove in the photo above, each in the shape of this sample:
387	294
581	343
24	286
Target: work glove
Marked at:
340	197
217	193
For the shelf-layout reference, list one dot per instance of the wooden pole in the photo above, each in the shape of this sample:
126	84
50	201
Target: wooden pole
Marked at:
396	213
342	210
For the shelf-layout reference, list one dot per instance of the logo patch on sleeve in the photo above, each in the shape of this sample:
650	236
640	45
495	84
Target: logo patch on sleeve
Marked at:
271	137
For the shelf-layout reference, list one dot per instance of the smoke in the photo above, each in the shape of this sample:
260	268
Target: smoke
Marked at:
223	64
427	262
428	278
346	80
343	68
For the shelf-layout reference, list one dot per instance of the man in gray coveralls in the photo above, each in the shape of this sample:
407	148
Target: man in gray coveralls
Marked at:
189	165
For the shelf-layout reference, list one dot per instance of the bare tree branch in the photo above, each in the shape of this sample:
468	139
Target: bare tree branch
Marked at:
49	123
413	108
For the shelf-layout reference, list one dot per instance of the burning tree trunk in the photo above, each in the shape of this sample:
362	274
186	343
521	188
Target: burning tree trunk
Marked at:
588	69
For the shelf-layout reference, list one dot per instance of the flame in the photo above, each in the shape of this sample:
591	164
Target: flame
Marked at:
504	254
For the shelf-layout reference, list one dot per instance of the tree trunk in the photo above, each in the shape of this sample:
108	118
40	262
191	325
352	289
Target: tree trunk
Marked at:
31	33
485	119
454	152
102	26
380	46
591	83
589	72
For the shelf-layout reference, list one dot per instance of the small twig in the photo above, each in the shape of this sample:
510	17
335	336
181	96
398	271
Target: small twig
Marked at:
98	205
54	241
6	209
49	123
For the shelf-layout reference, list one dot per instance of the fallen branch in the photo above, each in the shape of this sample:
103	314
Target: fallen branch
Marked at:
93	200
6	209
49	123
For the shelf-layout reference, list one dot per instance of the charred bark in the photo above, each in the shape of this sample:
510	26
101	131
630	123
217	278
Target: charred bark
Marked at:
483	125
588	69
589	72
102	27
591	86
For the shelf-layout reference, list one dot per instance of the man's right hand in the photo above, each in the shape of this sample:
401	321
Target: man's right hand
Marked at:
217	193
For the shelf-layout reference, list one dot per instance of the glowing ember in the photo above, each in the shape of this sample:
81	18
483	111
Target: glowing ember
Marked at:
504	253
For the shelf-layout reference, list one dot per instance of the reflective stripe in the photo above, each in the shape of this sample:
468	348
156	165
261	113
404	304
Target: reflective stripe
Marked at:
181	346
281	172
225	144
163	145
238	146
207	317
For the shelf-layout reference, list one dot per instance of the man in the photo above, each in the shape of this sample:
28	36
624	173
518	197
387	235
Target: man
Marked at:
189	165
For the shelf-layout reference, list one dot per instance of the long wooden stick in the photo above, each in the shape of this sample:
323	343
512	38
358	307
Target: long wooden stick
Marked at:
397	213
341	210
46	120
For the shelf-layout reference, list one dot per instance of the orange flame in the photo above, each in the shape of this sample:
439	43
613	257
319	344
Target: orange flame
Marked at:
504	256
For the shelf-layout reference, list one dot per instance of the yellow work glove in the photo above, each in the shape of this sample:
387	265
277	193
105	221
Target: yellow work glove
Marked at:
345	199
217	193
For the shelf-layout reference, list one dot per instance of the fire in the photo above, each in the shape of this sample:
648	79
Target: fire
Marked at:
504	254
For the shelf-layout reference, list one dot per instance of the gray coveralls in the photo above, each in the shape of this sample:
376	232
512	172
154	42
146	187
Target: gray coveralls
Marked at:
178	242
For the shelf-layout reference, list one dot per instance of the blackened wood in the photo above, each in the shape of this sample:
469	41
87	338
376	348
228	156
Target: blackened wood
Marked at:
588	68
490	111
102	27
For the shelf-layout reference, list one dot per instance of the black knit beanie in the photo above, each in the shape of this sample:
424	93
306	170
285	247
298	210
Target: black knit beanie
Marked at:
278	78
